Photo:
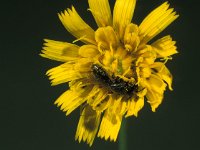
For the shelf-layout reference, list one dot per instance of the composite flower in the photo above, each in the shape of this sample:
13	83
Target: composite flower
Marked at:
115	70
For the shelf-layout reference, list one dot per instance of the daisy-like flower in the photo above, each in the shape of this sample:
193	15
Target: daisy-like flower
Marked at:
116	68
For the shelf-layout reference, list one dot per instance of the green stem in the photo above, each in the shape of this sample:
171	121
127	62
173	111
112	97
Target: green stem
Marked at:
123	136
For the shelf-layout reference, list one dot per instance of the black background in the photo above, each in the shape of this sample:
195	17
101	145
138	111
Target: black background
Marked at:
30	120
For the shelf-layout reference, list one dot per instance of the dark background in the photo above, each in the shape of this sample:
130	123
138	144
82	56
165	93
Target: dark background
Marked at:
30	120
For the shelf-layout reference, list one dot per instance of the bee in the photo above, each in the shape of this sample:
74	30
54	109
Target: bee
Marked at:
116	84
123	87
100	74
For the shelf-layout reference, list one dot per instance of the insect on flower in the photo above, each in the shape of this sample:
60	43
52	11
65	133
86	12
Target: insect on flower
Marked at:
115	70
116	84
100	74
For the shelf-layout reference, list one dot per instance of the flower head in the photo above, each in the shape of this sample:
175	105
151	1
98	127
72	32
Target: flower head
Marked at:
115	70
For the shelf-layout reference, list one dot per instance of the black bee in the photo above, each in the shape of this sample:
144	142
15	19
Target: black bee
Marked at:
116	84
100	74
123	87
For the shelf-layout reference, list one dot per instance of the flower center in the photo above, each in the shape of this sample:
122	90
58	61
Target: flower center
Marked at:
118	55
122	63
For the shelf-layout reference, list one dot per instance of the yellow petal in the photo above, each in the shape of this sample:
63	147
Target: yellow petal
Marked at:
164	47
138	106
83	65
108	58
154	99
106	37
70	100
155	90
156	84
110	126
103	103
76	26
63	73
79	85
65	98
163	72
101	11
131	106
135	106
146	56
88	125
156	22
122	15
119	106
99	97
90	51
60	51
95	91
142	92
145	72
131	38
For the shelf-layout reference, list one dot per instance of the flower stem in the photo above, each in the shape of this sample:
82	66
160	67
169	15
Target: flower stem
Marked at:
123	136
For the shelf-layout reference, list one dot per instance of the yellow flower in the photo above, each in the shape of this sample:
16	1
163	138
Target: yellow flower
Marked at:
115	70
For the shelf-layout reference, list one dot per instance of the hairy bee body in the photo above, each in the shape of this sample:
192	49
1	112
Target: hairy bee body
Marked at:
100	74
116	84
